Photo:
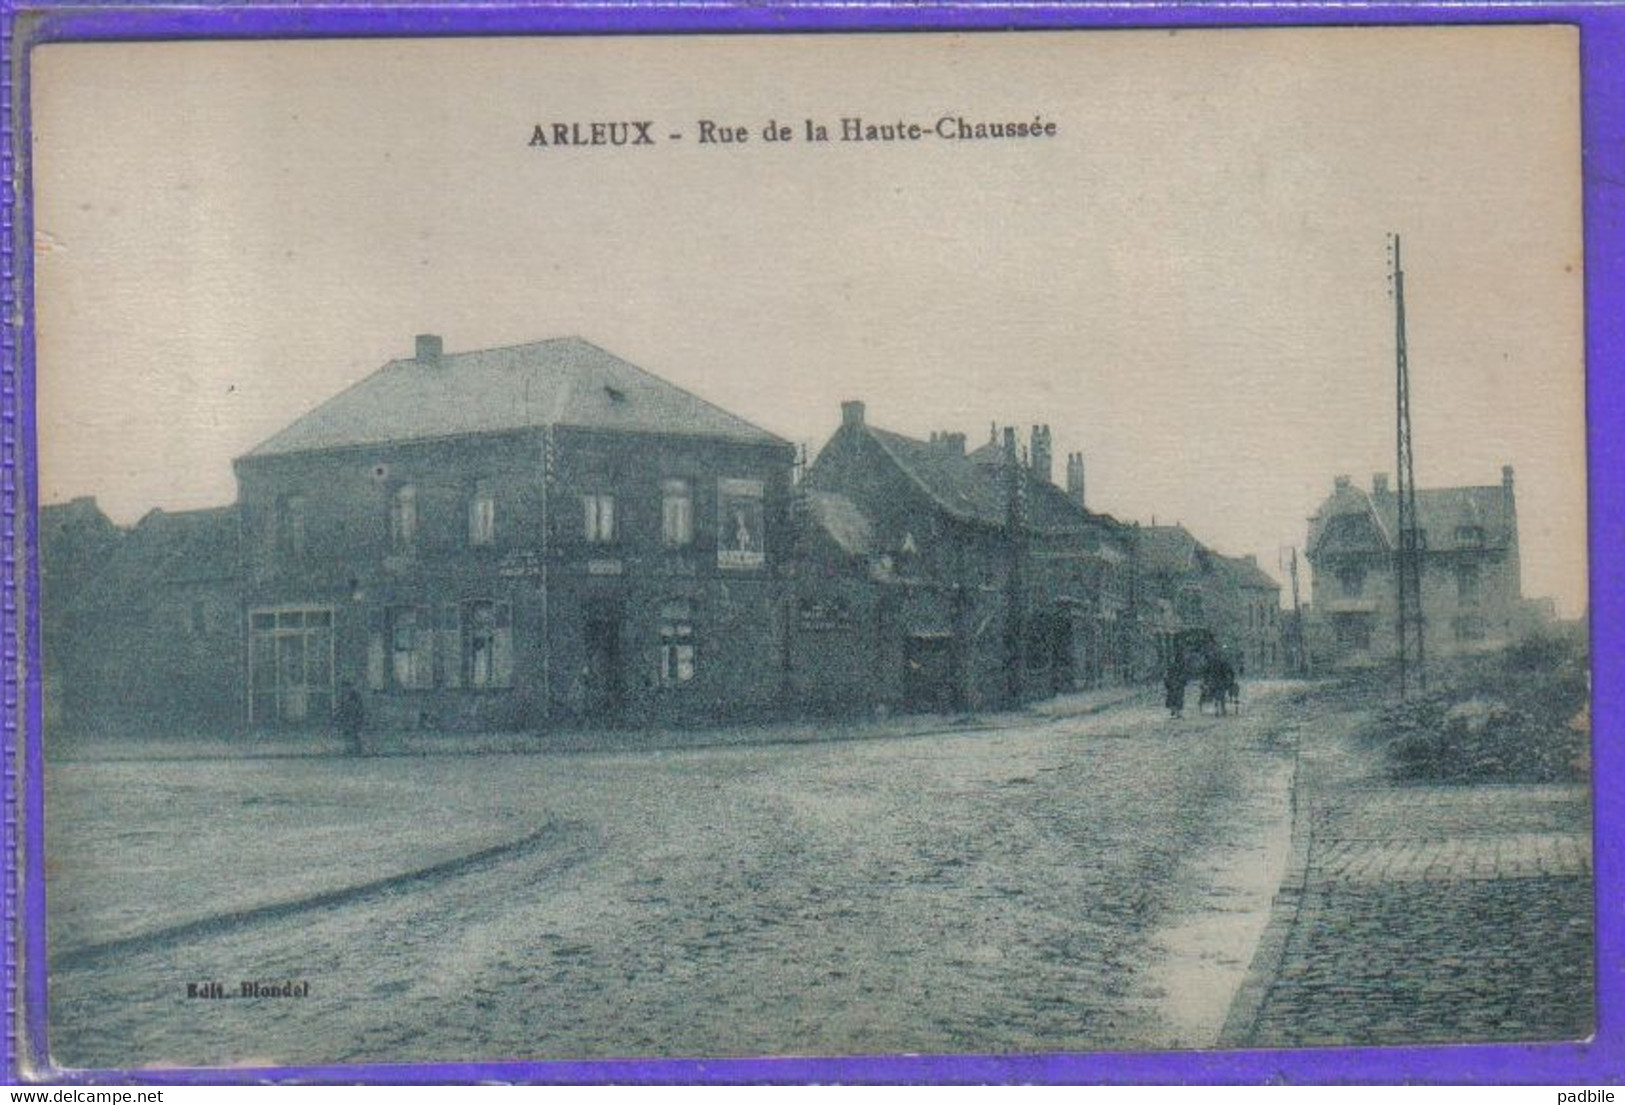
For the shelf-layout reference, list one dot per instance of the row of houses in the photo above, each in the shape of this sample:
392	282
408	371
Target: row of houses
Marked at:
546	535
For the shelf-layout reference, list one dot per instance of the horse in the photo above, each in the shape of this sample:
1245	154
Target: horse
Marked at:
1219	687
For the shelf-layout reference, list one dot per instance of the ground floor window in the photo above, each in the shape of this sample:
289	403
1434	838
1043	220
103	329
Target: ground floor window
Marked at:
449	646
676	642
488	644
411	638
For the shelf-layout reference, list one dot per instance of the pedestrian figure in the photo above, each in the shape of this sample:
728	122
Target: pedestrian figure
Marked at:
1173	682
1219	686
352	716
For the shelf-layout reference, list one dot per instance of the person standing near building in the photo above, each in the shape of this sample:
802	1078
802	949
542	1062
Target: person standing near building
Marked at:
352	718
1173	682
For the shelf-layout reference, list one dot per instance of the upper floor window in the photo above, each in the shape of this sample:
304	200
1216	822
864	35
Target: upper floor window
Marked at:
290	525
598	517
1470	535
403	518
482	515
1352	581
1467	584
677	513
740	542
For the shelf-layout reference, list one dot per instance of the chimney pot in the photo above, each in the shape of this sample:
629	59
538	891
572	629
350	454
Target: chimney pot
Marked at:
852	412
429	348
1506	475
1342	483
1075	479
1043	455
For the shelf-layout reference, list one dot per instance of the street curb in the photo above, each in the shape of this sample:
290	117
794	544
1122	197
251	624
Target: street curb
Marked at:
1241	1022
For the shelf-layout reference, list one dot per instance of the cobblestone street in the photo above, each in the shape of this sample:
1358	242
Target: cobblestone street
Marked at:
1092	875
1052	881
1419	914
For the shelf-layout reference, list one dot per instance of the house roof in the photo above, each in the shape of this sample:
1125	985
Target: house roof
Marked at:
971	489
1167	549
187	546
838	516
1239	571
1442	514
559	382
1174	550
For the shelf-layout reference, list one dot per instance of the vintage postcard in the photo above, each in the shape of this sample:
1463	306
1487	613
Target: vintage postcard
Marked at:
703	546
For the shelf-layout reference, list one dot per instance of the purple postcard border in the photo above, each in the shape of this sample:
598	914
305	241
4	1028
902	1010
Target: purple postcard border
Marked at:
1600	1061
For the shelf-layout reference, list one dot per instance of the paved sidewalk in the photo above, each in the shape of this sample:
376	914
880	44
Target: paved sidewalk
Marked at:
1416	914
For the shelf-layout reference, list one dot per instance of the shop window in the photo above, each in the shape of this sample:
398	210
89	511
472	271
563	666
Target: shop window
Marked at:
411	648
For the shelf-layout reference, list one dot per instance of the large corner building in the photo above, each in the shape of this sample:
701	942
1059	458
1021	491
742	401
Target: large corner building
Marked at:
512	537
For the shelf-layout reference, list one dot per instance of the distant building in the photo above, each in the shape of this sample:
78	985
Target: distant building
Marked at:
1187	586
1471	587
74	541
961	580
142	626
512	538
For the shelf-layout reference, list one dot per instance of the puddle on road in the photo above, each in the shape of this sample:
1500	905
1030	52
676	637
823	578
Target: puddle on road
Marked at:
1204	951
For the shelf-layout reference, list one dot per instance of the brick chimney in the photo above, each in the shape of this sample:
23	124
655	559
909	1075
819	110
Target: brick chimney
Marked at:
852	412
1075	479
429	349
1043	457
1342	483
1379	483
954	443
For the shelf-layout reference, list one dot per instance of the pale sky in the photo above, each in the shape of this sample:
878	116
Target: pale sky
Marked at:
1188	282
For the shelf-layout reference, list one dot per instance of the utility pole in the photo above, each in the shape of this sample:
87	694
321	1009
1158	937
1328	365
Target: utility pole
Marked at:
1300	639
1015	611
1408	555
